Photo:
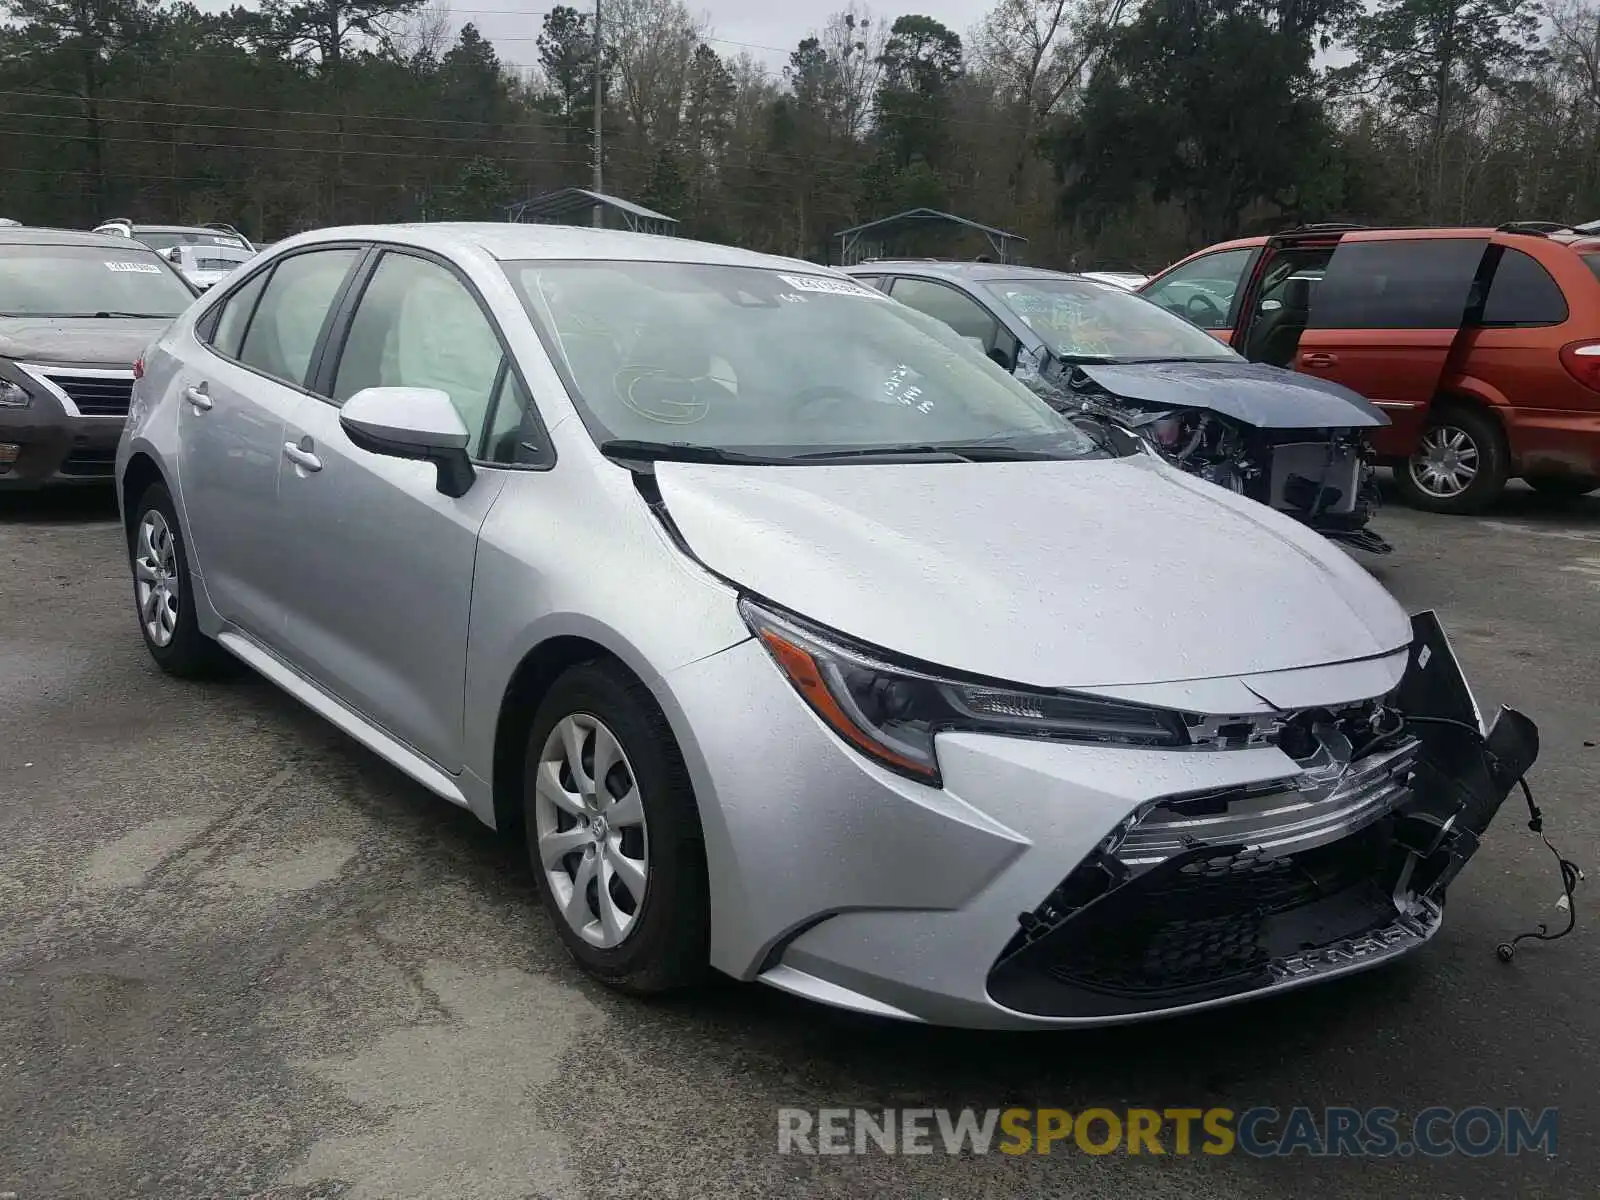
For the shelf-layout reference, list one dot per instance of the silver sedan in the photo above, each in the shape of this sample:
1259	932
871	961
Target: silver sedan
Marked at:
796	639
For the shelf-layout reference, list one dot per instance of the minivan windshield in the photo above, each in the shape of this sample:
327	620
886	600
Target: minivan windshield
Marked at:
88	281
1086	320
712	361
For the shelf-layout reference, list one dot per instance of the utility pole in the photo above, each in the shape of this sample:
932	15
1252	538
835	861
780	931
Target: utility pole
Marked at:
599	102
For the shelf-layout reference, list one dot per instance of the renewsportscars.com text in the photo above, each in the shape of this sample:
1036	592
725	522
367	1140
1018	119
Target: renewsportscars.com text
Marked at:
1260	1132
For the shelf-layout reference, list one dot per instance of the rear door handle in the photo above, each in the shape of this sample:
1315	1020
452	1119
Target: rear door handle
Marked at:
199	397
1318	360
302	457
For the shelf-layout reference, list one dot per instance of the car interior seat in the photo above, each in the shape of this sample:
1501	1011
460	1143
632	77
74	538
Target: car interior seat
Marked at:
1277	335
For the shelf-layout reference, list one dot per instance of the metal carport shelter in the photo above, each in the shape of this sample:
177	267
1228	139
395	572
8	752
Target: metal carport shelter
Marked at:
868	241
561	207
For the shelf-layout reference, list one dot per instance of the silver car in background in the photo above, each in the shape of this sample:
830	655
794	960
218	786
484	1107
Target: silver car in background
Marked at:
797	639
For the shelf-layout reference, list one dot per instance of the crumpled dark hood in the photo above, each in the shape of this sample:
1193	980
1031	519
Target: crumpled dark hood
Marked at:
83	341
1259	395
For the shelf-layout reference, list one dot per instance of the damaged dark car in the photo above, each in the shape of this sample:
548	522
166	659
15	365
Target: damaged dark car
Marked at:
1298	444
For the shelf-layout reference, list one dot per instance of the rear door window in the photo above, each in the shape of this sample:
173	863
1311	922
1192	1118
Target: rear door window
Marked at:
288	321
1403	284
1522	294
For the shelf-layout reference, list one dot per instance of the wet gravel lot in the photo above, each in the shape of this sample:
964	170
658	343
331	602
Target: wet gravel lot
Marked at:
240	956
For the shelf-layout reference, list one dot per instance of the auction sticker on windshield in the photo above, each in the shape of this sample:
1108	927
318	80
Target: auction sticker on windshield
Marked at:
139	267
831	287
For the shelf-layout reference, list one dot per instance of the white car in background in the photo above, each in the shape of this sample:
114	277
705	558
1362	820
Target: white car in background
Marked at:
206	265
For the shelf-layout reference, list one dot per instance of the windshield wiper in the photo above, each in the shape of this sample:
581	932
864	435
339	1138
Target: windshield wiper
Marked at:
146	316
637	451
983	450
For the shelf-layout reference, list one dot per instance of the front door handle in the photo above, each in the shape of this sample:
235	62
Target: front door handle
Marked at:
199	397
1318	361
301	456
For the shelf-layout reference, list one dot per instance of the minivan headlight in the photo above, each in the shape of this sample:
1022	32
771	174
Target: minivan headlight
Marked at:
892	713
13	395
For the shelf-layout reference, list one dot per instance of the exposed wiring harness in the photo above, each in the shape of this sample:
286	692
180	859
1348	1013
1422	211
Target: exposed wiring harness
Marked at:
1571	873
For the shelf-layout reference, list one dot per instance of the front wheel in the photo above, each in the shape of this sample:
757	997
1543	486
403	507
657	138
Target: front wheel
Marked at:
614	834
163	594
1458	466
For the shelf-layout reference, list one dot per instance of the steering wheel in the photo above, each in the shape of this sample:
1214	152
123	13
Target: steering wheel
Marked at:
814	403
1201	307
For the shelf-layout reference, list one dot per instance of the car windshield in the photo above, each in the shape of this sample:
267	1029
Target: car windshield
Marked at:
88	281
713	360
1083	319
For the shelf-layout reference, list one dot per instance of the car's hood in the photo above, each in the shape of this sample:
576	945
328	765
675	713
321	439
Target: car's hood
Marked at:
1060	574
112	341
1259	395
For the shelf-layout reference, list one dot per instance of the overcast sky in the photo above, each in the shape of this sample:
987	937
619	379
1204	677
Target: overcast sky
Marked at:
768	29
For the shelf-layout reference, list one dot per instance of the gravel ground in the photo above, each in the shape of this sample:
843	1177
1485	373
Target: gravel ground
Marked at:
240	956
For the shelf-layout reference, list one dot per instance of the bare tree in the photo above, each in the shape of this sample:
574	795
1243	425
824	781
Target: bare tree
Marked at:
424	33
655	42
853	41
1032	52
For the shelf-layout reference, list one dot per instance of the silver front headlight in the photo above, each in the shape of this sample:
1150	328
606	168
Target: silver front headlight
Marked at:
13	395
892	713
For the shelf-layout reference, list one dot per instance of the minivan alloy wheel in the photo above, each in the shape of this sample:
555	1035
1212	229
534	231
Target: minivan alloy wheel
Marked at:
155	570
591	838
1445	462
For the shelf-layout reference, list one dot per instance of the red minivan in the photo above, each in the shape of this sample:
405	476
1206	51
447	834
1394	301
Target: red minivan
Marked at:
1482	345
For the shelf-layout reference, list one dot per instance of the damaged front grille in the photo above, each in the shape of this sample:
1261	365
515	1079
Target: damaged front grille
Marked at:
1325	802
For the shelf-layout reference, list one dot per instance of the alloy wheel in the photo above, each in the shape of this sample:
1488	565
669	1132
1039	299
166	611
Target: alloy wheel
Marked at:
1445	462
155	573
590	830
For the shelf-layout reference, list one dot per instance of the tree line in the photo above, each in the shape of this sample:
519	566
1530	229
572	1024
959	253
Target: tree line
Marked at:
1110	133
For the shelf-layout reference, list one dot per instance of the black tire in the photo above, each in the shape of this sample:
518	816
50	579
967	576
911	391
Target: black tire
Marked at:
1482	434
668	945
1563	487
189	654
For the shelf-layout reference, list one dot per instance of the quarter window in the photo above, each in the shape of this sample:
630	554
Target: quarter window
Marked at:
283	333
962	313
418	326
234	318
1202	290
1522	293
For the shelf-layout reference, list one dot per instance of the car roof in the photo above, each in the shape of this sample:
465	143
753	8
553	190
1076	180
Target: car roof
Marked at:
972	272
32	235
141	227
507	241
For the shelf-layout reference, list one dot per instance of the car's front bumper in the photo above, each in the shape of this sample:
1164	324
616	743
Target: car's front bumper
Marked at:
970	904
53	448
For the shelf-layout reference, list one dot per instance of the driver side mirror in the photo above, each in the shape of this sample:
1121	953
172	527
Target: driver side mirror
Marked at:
415	423
173	255
1006	361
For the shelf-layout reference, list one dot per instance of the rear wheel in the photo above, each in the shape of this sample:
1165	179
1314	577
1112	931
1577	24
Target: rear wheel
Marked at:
1458	466
1563	487
614	833
163	595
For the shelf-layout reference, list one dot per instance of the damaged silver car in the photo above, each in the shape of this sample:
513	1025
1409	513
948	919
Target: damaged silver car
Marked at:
720	580
1295	443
